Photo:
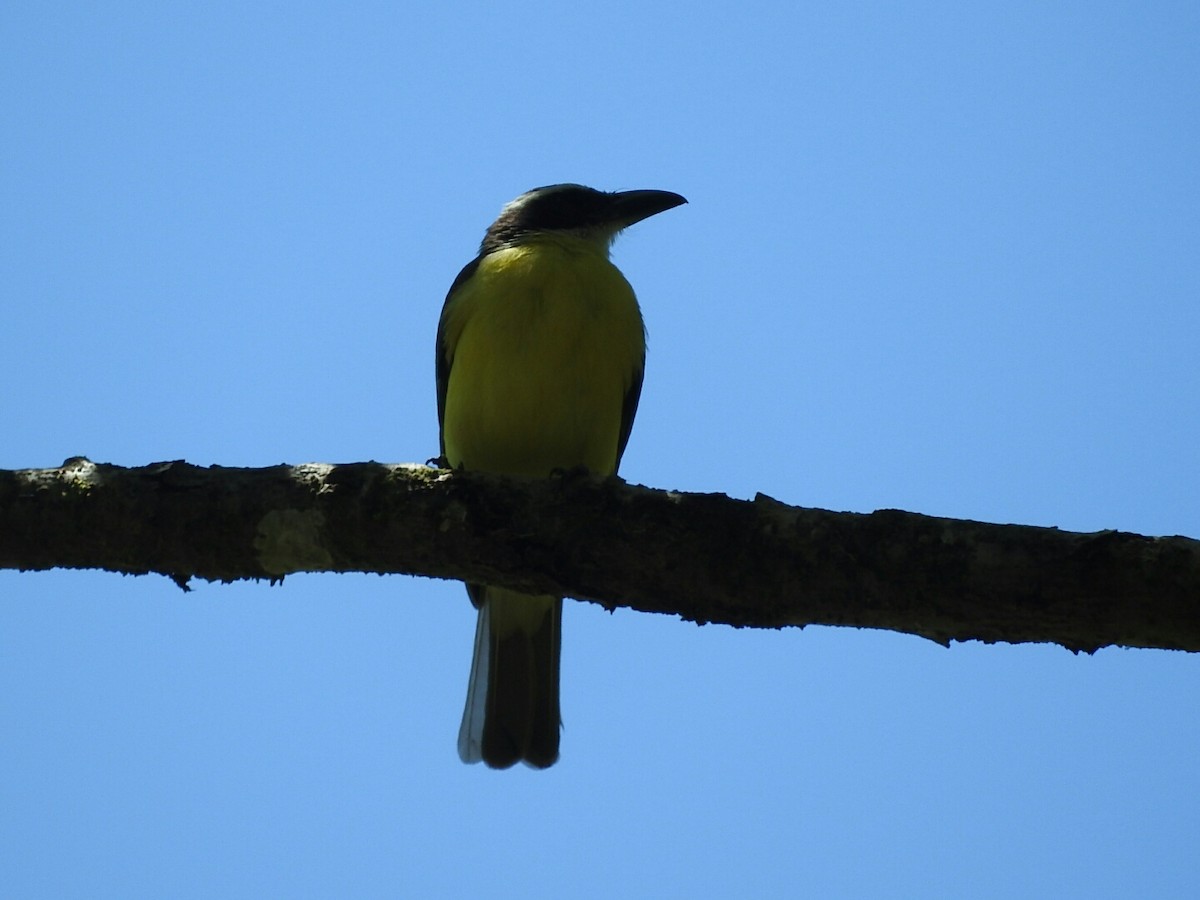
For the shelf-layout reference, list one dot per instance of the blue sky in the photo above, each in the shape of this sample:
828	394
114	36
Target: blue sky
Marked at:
940	257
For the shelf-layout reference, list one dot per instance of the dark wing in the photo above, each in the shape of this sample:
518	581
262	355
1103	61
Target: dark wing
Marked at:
445	358
445	354
629	410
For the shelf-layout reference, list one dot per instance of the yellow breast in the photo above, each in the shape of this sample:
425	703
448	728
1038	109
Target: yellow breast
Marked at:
544	341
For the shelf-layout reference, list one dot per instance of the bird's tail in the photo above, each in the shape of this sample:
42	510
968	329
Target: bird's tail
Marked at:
512	712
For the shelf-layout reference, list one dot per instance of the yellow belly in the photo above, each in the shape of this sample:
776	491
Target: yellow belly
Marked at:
544	340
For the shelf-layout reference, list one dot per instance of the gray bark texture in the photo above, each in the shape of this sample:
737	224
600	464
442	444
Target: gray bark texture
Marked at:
704	557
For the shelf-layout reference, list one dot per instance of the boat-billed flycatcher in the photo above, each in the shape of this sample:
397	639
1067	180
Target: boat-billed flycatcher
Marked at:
540	353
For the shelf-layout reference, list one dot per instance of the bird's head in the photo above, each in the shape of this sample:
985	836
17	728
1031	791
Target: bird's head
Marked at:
576	212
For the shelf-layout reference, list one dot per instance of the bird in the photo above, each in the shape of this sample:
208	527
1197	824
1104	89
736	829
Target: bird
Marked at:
541	351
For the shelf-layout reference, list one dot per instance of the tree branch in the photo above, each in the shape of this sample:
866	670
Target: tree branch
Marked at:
704	557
